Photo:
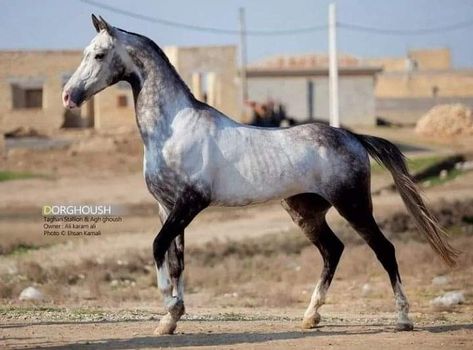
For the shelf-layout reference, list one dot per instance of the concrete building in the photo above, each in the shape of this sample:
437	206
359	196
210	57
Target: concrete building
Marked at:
409	86
301	84
31	83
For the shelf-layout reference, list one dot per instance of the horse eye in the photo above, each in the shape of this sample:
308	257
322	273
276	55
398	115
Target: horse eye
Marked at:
99	56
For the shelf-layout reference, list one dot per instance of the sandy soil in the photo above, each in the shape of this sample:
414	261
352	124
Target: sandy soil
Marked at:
270	333
350	321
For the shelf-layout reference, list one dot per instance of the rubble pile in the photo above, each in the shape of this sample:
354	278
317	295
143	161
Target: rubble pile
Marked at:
446	121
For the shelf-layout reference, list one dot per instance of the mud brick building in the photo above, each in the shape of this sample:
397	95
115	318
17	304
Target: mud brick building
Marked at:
31	84
409	86
301	84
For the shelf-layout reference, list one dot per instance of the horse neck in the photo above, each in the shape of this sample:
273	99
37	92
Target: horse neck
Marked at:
158	91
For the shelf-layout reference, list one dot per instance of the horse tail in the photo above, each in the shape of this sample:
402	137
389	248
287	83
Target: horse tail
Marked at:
389	156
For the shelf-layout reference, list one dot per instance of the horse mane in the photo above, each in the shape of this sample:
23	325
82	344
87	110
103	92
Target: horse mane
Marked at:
165	58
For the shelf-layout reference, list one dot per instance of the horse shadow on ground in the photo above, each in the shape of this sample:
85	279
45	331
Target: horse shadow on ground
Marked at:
63	323
225	339
201	339
446	328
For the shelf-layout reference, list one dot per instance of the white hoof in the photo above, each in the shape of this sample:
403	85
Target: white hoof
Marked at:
166	325
311	321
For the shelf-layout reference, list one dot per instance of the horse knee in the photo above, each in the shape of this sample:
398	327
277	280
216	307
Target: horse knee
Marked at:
177	309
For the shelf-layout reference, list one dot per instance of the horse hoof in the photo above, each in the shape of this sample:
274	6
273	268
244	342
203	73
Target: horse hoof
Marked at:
166	326
404	326
311	321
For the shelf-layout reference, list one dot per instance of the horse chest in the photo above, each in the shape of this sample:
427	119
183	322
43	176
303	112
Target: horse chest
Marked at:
163	182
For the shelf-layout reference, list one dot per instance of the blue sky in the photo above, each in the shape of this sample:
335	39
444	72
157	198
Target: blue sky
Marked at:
61	24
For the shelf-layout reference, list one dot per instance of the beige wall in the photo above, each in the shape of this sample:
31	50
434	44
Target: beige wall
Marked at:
52	67
219	63
431	59
108	114
389	64
454	83
404	95
433	69
49	67
425	59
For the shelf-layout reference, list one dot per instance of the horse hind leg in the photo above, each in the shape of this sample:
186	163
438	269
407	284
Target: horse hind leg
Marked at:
308	212
331	249
359	215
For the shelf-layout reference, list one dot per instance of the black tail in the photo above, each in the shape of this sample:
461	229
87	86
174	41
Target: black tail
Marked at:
388	155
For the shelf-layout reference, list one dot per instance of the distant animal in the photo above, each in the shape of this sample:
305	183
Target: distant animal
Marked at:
196	157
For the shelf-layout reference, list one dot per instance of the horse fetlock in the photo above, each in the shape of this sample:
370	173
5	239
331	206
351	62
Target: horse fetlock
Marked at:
175	307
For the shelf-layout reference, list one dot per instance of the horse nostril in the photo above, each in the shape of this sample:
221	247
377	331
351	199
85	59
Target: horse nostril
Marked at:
67	100
66	97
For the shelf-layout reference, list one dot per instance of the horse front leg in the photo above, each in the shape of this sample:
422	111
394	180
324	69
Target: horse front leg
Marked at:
168	251
170	282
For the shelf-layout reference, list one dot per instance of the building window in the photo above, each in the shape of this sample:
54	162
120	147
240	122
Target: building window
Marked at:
34	98
122	101
27	97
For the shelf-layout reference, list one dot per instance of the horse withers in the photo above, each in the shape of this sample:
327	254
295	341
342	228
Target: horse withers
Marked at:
196	157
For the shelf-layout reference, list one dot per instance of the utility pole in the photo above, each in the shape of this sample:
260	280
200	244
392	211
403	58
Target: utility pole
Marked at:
243	59
333	66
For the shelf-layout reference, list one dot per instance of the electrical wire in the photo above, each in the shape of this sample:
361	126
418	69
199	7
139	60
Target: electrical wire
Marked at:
302	30
421	31
202	28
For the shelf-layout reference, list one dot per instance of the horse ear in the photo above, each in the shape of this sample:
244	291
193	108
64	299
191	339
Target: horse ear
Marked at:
104	25
96	23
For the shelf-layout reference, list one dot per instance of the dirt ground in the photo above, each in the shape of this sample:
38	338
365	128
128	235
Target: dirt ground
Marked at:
270	333
99	292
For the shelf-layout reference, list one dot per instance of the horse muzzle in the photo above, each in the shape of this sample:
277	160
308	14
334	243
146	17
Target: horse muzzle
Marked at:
72	98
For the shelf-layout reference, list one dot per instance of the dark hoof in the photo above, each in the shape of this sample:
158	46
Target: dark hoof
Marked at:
405	326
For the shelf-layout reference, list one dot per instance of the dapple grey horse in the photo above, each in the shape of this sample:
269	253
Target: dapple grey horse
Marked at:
195	157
